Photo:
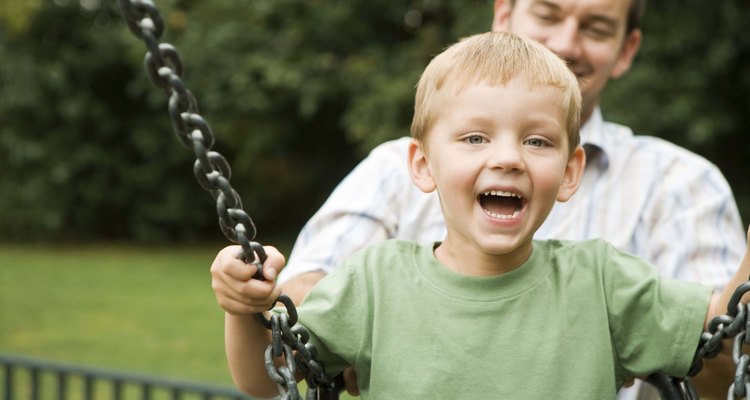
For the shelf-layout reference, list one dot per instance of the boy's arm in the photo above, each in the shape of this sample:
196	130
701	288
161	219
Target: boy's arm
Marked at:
245	343
719	302
241	297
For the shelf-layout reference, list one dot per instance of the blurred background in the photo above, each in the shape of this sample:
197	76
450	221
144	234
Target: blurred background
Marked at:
106	238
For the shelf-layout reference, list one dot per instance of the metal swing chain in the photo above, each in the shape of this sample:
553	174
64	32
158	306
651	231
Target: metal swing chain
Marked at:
163	66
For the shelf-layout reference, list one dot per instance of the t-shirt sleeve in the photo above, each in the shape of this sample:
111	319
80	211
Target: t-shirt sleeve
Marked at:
655	322
333	315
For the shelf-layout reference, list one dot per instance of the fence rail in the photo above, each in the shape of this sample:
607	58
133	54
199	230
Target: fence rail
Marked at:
25	378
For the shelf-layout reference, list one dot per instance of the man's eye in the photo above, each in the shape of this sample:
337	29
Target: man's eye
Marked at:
599	33
544	14
545	17
599	29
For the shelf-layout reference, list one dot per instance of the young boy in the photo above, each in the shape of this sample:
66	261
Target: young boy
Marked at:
487	312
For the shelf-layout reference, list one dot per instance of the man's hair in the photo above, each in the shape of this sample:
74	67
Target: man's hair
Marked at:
635	14
495	58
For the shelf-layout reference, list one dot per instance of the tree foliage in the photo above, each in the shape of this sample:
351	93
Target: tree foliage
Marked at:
691	81
296	93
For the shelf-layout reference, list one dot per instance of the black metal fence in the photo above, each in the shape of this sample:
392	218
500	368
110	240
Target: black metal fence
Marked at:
25	378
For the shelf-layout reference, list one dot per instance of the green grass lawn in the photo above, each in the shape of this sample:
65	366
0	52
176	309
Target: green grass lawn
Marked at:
133	309
119	307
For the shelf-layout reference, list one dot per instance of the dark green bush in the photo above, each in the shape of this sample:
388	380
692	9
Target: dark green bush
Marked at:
296	93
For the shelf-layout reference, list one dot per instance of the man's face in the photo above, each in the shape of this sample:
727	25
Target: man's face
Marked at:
589	34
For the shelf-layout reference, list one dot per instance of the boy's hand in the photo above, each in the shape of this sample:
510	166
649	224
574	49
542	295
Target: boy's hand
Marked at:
233	284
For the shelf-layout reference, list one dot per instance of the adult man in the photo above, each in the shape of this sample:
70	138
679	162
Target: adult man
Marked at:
643	194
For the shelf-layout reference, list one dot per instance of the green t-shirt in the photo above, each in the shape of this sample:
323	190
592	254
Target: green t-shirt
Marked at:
574	322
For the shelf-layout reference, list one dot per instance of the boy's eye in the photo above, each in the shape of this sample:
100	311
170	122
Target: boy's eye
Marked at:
536	142
474	139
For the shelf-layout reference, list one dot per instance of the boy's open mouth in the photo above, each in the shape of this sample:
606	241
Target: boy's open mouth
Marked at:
501	205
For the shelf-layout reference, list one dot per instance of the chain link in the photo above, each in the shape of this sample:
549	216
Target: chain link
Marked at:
289	348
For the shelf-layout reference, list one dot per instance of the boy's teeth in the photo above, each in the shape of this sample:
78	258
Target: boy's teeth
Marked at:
503	216
500	193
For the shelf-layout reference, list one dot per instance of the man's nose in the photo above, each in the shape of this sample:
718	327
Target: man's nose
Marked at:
565	40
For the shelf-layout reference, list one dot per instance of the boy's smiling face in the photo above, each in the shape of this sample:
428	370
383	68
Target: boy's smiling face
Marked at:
499	158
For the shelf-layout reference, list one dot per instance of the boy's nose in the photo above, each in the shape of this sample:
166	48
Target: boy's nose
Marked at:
506	157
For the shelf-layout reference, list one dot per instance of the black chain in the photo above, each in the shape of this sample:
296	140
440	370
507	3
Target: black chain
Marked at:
164	69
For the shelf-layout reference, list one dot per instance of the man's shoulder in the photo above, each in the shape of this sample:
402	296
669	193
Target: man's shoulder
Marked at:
391	148
653	147
388	156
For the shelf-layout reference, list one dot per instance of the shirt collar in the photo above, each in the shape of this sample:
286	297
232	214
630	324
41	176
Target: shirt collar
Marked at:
593	138
591	131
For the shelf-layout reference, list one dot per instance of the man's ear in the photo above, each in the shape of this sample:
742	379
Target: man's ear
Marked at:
627	54
501	18
572	175
419	170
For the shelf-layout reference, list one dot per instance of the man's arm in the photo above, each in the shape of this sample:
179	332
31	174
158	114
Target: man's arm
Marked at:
696	233
363	209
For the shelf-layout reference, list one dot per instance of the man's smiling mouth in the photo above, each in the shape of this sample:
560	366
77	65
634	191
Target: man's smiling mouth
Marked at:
500	204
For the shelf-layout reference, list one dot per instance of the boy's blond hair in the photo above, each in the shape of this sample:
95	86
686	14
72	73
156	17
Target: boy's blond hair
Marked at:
496	58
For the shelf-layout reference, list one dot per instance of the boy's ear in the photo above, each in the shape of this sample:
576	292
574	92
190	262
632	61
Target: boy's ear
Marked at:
572	175
501	18
419	170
